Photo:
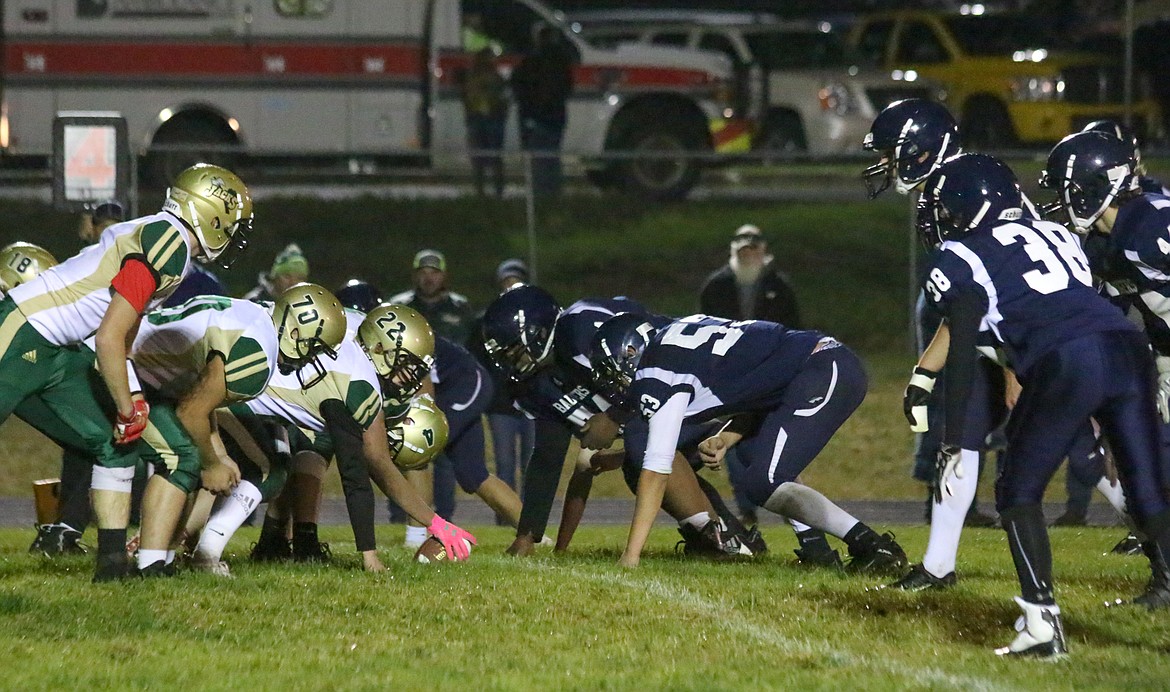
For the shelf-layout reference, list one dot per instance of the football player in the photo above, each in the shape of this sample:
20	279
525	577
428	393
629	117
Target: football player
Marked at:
796	387
192	359
1028	282
1097	177
543	356
346	402
103	291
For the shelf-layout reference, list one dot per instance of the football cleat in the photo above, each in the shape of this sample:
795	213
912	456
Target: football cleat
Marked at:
1041	633
1157	593
879	554
277	550
158	568
314	551
201	562
111	567
814	556
57	539
1130	545
712	541
918	579
753	540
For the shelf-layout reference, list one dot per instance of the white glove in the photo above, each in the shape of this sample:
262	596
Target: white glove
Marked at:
916	397
1163	396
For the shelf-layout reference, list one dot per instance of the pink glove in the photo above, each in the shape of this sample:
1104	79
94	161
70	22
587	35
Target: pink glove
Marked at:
130	428
457	541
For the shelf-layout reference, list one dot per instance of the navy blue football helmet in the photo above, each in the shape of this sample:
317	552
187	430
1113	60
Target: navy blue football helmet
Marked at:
1123	133
913	137
1088	171
615	353
359	295
965	193
518	330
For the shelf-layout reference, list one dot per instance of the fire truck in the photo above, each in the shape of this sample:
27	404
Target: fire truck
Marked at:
368	80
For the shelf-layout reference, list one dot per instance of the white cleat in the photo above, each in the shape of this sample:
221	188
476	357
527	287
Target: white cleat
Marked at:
1041	634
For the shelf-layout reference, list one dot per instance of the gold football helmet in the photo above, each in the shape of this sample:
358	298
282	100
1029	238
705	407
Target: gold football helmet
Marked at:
21	262
215	204
309	322
420	435
402	346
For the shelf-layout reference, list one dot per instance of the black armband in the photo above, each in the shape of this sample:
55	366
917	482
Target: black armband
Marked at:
542	476
966	312
355	476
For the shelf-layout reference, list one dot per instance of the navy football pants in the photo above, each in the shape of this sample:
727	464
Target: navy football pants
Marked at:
828	389
1106	375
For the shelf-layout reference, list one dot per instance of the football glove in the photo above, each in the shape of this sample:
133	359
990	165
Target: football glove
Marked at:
457	541
129	428
949	462
916	397
1163	363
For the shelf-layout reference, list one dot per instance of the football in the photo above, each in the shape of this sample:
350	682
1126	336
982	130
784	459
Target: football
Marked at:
432	551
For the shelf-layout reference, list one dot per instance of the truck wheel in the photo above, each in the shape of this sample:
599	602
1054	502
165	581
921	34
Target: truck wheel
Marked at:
986	124
660	176
782	134
190	132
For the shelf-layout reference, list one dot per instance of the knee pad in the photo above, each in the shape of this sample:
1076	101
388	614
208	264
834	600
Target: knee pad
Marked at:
118	480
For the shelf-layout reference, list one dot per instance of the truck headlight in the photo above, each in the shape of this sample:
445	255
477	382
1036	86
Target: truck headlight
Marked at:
835	98
1036	89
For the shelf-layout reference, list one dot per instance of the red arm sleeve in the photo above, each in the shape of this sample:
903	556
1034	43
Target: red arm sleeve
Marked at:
136	283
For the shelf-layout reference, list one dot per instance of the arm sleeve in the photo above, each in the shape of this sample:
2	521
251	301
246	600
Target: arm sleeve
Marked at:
665	425
542	476
351	464
136	282
966	309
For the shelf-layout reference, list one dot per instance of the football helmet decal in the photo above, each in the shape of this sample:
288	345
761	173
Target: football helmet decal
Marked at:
214	203
518	330
420	435
913	137
402	346
21	262
309	322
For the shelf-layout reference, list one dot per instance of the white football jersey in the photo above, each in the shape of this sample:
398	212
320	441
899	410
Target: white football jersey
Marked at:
174	344
66	303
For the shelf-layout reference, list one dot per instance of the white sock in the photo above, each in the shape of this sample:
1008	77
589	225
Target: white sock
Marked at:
819	512
946	518
170	556
698	521
415	535
798	526
227	518
146	558
1113	493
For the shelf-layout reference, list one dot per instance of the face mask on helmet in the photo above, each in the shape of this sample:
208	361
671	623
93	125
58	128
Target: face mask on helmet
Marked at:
518	331
1089	172
309	323
420	435
215	204
401	345
912	137
21	263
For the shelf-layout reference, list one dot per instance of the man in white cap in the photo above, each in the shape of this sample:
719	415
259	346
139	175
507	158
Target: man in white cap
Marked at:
749	286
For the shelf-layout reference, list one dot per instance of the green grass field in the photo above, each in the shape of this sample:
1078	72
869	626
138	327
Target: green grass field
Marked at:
568	622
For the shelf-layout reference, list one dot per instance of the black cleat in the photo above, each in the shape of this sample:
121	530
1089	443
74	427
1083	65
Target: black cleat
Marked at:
712	541
813	556
878	554
753	540
311	552
158	568
1070	519
1130	545
112	567
57	539
271	551
918	579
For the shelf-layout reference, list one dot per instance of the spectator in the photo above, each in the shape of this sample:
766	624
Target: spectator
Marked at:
449	315
513	433
485	108
290	267
97	217
750	286
541	84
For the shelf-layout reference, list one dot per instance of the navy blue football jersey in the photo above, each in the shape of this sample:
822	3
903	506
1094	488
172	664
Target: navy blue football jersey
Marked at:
453	363
722	366
1134	258
1035	283
574	332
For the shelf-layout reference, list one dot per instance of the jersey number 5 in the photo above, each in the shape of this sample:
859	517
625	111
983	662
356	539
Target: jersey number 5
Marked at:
691	336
